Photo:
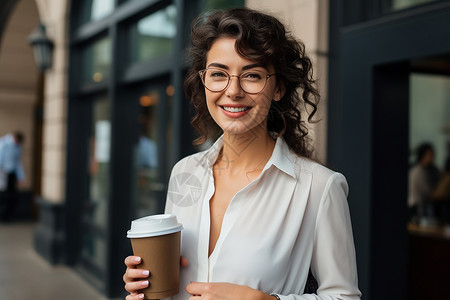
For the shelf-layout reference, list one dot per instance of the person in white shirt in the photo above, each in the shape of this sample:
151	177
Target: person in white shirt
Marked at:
258	213
12	173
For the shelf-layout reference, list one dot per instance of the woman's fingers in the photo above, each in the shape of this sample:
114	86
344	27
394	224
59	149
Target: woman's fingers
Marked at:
132	261
134	286
135	296
136	273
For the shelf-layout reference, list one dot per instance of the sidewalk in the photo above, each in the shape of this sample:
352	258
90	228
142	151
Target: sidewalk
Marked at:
25	275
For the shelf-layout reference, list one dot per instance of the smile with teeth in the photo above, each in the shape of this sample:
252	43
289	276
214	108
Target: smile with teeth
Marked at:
235	109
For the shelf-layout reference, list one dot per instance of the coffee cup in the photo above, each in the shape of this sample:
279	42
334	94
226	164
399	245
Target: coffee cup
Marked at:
156	239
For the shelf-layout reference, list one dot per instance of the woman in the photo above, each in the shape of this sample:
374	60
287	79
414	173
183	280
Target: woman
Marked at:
258	214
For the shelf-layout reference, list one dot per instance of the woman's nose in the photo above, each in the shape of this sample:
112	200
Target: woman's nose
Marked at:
234	89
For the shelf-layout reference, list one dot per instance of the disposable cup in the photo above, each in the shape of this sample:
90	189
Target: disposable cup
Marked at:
156	239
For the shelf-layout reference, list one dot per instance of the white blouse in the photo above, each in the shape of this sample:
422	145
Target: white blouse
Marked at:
294	217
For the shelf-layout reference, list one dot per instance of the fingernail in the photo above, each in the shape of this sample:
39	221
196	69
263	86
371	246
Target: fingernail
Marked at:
144	283
141	296
145	273
137	259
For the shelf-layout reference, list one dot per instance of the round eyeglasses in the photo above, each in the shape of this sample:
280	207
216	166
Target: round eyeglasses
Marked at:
217	80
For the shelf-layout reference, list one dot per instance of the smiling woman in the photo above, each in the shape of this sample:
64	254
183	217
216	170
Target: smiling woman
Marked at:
266	216
257	40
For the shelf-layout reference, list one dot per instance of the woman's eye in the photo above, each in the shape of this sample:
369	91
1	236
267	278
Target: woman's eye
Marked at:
251	76
217	74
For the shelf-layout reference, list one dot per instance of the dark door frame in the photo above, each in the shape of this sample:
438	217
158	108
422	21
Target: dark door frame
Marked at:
364	58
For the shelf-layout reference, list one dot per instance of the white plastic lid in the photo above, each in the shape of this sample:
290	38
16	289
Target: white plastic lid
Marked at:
154	226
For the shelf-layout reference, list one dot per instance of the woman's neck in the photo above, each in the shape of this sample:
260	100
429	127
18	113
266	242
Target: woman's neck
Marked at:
247	152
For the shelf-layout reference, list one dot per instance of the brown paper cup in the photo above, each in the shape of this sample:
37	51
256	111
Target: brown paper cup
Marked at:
161	256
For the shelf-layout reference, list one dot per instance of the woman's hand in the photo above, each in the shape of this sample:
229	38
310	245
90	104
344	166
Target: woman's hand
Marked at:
224	291
137	279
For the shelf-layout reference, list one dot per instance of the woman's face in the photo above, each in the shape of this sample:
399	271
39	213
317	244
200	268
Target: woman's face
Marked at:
234	110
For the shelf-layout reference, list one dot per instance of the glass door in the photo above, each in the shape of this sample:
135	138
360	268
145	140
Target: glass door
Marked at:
94	214
151	149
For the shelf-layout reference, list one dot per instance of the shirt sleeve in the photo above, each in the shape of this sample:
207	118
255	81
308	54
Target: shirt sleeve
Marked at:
1	153
333	261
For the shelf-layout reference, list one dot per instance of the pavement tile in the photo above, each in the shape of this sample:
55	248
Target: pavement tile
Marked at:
25	275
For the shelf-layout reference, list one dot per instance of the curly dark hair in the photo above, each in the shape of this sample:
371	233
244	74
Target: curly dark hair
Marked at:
263	39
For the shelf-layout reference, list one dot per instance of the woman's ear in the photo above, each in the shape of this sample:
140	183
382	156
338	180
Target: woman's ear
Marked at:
279	92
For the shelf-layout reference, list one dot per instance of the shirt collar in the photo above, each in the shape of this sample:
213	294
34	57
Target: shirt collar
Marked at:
212	153
282	157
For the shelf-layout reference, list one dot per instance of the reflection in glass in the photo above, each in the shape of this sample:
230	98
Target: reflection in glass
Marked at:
155	138
99	163
154	35
94	10
94	249
101	8
95	208
147	155
393	5
96	61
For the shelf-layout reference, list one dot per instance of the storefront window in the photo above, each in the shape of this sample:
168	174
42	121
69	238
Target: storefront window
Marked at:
96	61
155	137
99	150
147	154
94	10
94	250
96	203
145	139
154	35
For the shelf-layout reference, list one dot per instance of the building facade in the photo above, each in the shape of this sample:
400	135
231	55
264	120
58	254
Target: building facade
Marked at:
389	89
109	119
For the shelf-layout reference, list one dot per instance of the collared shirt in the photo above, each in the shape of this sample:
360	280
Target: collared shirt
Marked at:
10	159
422	182
294	217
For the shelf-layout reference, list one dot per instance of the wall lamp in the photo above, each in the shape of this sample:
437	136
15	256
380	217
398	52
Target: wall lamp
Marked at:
42	48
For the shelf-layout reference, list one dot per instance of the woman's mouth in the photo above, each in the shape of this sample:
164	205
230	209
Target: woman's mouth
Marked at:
235	109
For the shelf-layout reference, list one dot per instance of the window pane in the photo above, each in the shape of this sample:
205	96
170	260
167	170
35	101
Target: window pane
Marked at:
155	140
96	61
99	149
429	113
94	249
154	35
95	204
147	156
94	10
429	145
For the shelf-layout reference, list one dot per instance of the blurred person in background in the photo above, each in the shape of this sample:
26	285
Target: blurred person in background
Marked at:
423	179
441	195
12	174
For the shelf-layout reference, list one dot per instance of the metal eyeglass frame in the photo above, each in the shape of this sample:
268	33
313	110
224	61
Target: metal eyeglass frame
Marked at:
202	72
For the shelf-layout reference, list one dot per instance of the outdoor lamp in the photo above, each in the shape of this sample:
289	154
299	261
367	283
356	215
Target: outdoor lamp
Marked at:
42	48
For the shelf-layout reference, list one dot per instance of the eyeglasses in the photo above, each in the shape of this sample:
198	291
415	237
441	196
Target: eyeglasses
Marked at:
217	80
